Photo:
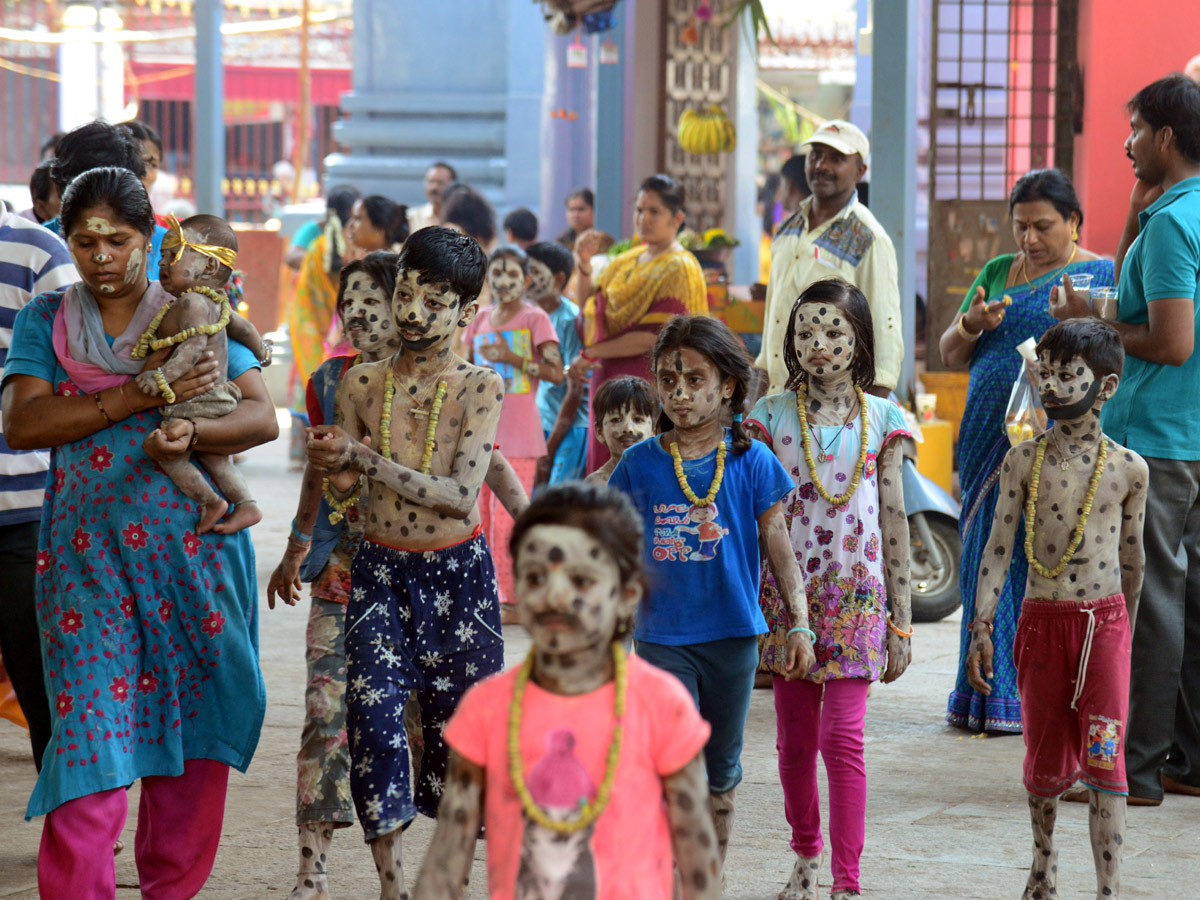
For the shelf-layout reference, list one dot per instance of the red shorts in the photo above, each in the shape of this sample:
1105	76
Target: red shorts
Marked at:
1058	666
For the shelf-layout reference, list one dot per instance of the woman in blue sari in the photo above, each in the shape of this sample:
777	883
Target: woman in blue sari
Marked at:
984	336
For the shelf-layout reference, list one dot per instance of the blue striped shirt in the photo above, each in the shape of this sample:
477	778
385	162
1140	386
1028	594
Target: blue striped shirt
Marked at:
32	261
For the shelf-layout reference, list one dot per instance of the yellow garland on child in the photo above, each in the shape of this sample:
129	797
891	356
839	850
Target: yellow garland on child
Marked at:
1084	513
806	440
148	341
338	508
385	423
589	812
718	476
165	389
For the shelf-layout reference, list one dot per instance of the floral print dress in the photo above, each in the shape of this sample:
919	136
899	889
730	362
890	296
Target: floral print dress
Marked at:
837	548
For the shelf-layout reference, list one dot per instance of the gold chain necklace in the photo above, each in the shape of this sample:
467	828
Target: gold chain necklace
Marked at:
718	475
589	811
806	440
1062	269
1084	513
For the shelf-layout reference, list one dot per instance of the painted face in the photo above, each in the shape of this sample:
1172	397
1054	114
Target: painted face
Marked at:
506	280
103	247
426	313
1041	231
437	179
580	216
541	281
1143	150
824	341
1068	389
622	428
653	220
690	387
367	312
569	591
831	172
188	272
153	161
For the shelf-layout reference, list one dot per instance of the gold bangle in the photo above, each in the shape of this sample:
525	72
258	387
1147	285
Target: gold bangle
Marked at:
967	336
103	411
195	435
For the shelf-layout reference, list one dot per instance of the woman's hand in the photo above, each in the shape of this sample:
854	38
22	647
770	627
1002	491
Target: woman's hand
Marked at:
581	369
982	316
800	655
899	655
285	580
587	245
201	378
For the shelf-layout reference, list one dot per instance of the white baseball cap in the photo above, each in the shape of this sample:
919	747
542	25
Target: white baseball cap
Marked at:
841	136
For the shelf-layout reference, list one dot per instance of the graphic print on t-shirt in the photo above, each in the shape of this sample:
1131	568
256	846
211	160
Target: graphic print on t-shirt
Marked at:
520	341
553	866
685	533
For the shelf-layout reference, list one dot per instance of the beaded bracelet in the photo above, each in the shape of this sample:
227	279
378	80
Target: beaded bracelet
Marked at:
800	629
896	631
103	411
299	535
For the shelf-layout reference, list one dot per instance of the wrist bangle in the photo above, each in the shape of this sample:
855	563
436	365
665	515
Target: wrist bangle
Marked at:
299	535
967	335
195	435
896	631
971	625
800	629
587	356
124	399
103	412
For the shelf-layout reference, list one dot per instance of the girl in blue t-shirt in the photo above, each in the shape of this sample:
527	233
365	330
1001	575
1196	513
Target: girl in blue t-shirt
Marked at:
845	515
701	620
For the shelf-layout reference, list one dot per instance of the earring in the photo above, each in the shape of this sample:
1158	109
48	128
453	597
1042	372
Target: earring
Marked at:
1075	233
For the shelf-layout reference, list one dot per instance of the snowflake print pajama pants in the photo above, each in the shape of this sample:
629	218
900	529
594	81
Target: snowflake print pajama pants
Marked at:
423	621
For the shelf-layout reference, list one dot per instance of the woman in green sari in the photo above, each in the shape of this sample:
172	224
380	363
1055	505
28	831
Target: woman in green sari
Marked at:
1008	303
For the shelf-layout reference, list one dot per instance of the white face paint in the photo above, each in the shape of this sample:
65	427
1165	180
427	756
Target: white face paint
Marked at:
426	313
100	225
134	267
541	281
824	340
568	590
506	280
690	387
622	428
367	312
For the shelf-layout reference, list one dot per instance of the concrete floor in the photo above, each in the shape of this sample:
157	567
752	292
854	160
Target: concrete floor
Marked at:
946	816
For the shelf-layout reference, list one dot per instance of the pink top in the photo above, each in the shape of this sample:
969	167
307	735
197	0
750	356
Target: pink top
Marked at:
520	432
626	854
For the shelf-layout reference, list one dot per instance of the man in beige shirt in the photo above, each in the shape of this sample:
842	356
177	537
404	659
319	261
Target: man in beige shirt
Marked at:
833	235
438	177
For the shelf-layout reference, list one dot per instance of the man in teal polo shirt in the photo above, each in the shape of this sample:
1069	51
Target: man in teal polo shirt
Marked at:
1156	412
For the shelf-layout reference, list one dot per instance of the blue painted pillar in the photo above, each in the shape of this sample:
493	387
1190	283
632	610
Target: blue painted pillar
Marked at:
743	188
894	151
612	198
568	145
210	112
860	103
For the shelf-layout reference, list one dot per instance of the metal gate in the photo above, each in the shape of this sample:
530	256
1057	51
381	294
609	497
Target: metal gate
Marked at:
1004	102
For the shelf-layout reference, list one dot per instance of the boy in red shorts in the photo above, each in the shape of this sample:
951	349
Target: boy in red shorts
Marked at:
1083	497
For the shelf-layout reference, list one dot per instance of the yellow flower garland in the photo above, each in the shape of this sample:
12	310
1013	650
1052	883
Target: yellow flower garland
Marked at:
1084	513
338	508
589	812
148	341
806	440
385	423
718	476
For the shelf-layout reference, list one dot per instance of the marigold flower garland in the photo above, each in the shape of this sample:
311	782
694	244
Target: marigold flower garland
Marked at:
718	476
1085	511
806	440
589	811
148	341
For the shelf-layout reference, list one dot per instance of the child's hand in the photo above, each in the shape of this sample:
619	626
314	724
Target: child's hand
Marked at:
329	449
498	351
800	656
899	655
285	580
170	441
979	662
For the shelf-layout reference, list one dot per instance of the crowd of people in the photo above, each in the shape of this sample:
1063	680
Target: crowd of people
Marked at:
721	515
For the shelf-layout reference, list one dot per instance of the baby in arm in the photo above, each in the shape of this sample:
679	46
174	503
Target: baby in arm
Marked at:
197	261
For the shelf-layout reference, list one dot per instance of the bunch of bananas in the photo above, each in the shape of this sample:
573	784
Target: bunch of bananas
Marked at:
706	131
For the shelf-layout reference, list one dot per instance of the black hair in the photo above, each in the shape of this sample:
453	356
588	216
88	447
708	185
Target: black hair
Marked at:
1174	101
470	211
341	200
40	182
766	196
793	171
850	300
510	251
522	224
388	216
49	145
445	256
380	266
216	231
1097	342
625	392
1051	186
143	132
712	338
584	194
669	191
111	186
554	256
92	146
602	513
449	168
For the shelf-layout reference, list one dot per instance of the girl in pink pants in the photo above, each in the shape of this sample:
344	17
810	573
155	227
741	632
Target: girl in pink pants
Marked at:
847	526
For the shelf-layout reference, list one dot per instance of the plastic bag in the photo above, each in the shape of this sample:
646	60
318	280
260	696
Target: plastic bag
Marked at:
1026	417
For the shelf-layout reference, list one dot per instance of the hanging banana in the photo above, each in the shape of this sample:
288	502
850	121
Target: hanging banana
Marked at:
706	131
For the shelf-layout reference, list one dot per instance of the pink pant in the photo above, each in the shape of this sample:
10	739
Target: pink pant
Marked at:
179	827
828	718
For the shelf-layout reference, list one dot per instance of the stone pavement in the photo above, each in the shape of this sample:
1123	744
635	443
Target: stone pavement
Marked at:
946	815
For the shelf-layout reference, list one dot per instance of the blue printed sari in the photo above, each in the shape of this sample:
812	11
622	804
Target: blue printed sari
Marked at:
982	443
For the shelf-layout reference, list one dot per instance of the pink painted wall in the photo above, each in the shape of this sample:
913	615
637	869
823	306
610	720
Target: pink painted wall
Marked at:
1122	48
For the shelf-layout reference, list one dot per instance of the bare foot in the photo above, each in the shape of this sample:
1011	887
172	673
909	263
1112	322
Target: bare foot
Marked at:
211	515
244	515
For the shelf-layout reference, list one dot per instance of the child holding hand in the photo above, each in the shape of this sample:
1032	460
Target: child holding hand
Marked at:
625	411
583	763
845	515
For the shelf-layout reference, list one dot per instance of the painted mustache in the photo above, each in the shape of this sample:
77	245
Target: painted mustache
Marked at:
557	618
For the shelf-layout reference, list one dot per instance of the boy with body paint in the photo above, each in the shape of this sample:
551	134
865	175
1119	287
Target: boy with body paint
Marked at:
584	764
1084	498
625	410
197	262
423	614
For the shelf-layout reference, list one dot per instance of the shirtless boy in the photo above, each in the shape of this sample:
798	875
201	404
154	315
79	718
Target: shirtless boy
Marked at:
423	614
1084	544
197	262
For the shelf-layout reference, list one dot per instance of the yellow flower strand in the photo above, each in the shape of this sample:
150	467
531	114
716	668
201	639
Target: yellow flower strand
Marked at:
338	508
589	812
806	440
385	423
718	476
148	341
165	389
1084	513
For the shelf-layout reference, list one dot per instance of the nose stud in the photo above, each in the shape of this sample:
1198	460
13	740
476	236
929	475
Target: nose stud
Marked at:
102	257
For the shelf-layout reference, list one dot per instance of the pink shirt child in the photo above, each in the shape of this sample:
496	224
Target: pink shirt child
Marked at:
626	854
520	430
